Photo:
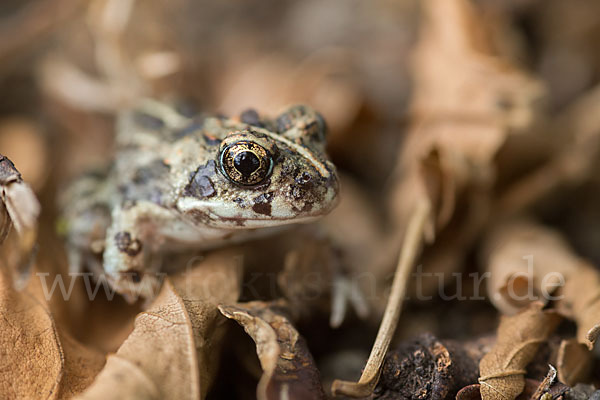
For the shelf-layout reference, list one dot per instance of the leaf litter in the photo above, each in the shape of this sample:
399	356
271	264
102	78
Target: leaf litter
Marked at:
476	118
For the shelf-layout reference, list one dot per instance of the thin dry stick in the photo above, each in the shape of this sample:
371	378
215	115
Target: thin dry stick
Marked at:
410	247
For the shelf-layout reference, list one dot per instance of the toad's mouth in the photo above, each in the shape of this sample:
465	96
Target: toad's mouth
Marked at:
219	214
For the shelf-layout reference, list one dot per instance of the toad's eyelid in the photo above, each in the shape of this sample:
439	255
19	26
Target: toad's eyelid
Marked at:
323	171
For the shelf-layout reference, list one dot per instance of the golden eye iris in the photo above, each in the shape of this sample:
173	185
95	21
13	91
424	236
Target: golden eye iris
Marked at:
246	163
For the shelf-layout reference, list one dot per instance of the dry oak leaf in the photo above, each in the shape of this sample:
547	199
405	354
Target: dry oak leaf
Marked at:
167	354
289	371
502	370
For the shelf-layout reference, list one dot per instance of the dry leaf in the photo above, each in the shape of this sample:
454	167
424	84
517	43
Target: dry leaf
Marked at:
289	371
502	370
458	126
465	135
40	359
32	359
19	203
573	363
524	261
167	356
580	301
473	392
81	365
529	262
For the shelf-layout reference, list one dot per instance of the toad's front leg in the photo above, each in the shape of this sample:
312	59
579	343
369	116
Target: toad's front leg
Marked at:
131	255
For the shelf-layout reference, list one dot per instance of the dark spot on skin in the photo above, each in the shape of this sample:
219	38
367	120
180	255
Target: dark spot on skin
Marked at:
286	120
236	220
211	140
196	125
262	208
251	117
200	185
308	206
187	108
151	171
127	245
148	121
262	203
312	128
283	122
198	217
323	126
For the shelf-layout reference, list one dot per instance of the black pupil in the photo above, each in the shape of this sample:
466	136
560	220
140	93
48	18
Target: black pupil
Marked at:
246	162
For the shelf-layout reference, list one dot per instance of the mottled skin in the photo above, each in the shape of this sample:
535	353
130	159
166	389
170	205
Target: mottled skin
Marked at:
168	189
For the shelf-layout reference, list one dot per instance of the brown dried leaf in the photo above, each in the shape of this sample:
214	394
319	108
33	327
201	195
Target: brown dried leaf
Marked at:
167	354
19	200
463	135
32	359
523	257
40	359
289	371
81	365
573	362
472	392
580	301
552	272
502	370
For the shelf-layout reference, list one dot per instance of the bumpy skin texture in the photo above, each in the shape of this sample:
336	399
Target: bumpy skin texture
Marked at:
173	186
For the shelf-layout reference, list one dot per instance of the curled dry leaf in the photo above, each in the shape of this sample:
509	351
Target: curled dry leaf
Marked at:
32	356
574	361
529	262
81	365
502	370
167	356
523	257
580	301
557	391
19	207
39	359
289	371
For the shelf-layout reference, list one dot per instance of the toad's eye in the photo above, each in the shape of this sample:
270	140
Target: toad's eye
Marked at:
246	163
